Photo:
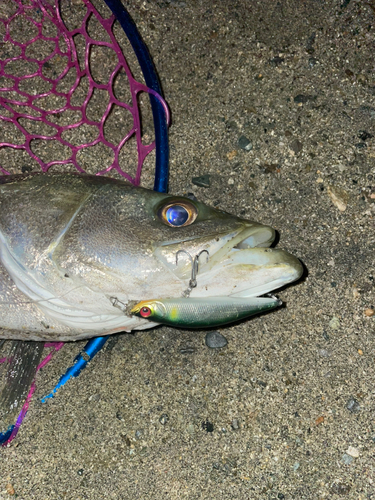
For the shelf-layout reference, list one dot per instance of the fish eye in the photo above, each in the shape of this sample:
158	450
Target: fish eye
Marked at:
145	312
178	214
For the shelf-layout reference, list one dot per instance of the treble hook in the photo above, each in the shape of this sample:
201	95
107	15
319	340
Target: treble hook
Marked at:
194	268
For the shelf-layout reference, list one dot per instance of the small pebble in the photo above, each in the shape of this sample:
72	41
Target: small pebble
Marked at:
187	350
303	98
310	43
232	154
215	340
191	196
324	353
353	405
296	146
360	352
369	312
244	143
208	426
296	466
138	434
231	125
347	459
356	293
326	337
340	488
353	452
202	180
364	135
276	61
10	489
319	420
339	197
164	419
235	424
191	429
334	324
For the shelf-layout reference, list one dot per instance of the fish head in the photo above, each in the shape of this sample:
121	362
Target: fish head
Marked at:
134	244
232	255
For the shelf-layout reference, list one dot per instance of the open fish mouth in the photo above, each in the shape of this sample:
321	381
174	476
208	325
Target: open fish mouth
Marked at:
239	263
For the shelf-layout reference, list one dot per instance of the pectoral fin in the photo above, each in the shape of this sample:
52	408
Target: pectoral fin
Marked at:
17	371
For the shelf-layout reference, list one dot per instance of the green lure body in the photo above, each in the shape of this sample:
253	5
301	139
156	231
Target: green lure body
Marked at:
202	312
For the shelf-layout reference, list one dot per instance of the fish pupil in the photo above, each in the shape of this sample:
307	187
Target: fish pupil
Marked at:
177	215
145	311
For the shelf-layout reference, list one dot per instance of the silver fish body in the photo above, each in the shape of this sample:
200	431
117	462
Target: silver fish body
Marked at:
77	250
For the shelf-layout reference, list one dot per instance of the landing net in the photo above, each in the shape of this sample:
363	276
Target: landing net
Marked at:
65	93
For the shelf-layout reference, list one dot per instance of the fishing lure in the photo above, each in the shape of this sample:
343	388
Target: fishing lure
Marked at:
202	312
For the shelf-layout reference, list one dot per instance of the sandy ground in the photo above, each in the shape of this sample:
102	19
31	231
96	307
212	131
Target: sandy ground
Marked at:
286	409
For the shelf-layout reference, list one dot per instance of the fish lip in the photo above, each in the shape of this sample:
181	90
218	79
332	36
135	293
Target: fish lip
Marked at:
246	240
262	234
295	273
248	235
264	270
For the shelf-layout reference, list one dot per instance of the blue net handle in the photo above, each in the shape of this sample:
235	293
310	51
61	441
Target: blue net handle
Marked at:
152	81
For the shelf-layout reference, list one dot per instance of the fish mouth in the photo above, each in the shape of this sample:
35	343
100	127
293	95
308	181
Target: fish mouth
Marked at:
238	263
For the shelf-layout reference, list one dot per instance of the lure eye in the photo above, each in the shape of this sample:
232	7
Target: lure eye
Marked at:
145	312
178	214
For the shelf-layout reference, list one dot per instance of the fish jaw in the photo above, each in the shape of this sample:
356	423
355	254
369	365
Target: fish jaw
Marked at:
238	263
249	273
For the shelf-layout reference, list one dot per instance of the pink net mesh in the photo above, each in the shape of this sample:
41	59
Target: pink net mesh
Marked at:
42	76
